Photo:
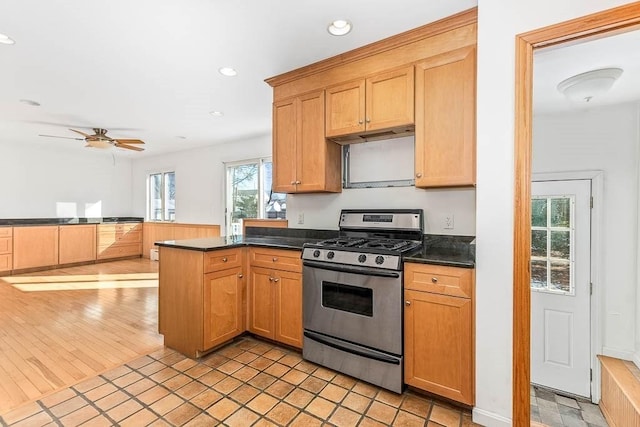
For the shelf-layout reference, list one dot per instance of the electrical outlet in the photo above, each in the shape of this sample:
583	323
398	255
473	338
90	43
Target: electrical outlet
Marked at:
448	222
300	217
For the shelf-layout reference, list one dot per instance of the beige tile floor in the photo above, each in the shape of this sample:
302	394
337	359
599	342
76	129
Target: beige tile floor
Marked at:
248	382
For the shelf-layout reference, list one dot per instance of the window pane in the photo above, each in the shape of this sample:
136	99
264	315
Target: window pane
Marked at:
539	212
560	212
538	274
539	243
560	276
275	204
243	193
155	197
170	196
560	244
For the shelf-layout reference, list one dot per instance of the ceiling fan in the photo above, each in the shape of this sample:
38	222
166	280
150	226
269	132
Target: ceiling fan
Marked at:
100	140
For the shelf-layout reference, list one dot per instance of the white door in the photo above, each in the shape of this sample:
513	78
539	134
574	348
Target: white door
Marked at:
560	285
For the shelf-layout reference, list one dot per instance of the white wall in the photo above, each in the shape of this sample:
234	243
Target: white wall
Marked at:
199	178
322	210
499	22
46	182
604	139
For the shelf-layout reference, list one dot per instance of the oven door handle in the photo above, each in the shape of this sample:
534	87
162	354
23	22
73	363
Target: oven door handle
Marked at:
352	269
350	348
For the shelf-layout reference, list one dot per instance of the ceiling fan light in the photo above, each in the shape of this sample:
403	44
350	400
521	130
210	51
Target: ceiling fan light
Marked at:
339	27
585	86
4	39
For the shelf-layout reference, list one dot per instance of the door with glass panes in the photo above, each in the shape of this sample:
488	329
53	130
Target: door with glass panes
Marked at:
560	285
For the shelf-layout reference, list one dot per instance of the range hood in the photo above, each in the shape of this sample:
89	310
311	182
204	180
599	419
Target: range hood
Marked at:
376	135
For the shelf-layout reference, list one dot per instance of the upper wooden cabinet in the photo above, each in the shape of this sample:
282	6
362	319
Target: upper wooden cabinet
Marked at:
445	145
35	246
382	101
77	243
304	161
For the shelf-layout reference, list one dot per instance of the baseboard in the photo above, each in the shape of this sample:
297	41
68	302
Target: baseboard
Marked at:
490	419
618	354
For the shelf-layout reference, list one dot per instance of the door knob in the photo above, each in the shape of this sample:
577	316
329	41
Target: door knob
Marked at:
407	303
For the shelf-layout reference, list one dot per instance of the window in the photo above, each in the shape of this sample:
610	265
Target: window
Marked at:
249	193
162	196
552	244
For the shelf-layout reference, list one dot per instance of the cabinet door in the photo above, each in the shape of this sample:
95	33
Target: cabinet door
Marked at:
345	109
35	246
288	308
77	243
446	120
389	99
316	157
261	303
439	345
222	306
284	146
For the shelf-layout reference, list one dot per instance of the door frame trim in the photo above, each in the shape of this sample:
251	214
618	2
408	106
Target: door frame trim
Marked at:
616	20
596	326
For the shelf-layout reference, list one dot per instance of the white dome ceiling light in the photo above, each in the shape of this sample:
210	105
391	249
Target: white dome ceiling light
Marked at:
586	86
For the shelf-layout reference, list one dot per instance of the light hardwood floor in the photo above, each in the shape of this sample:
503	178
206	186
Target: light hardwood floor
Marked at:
59	327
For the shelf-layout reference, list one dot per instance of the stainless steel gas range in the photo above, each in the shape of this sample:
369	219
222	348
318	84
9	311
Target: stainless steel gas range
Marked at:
352	294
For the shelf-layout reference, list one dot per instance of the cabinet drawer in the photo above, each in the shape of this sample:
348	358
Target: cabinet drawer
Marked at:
119	250
279	259
6	245
439	279
6	262
222	260
6	231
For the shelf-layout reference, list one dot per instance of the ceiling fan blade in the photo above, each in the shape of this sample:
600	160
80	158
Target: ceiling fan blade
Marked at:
129	141
63	137
86	135
129	147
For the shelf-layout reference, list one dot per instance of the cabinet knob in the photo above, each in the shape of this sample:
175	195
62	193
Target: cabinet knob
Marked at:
297	182
407	303
276	279
240	276
293	183
224	259
275	258
368	120
418	175
271	279
434	279
360	121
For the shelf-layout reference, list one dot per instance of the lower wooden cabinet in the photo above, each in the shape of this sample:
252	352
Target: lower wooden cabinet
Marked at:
77	243
35	246
222	306
118	240
198	310
275	297
438	335
6	248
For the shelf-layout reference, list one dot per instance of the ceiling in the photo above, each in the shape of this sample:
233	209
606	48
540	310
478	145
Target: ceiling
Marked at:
148	69
555	64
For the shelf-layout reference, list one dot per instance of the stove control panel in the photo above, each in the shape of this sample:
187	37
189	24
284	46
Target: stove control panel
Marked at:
336	256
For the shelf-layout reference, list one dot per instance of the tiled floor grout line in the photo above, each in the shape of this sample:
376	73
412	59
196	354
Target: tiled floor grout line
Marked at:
48	412
92	404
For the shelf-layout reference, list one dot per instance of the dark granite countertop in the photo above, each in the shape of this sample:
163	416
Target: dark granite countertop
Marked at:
455	251
25	222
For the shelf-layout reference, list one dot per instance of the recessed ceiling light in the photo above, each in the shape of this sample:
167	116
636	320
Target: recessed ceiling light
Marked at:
4	39
228	71
30	102
339	27
217	113
181	137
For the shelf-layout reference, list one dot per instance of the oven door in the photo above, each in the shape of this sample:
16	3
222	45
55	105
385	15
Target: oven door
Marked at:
359	305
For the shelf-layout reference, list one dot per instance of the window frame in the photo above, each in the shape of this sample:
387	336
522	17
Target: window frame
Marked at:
163	202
